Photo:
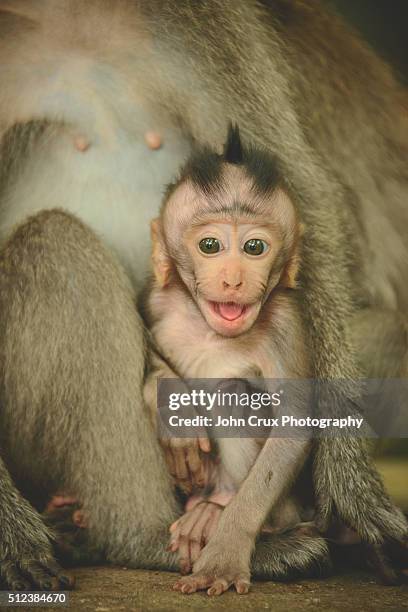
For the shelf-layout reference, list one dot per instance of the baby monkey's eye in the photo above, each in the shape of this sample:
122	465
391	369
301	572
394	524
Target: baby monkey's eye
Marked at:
255	246
209	246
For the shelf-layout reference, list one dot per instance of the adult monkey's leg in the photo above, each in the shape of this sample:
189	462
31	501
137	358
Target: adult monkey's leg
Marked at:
72	358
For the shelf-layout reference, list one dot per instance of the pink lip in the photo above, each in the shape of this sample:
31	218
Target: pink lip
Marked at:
229	311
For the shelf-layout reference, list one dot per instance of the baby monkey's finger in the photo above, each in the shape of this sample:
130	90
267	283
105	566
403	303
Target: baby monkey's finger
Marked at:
174	537
197	540
182	473
212	523
186	525
196	466
204	444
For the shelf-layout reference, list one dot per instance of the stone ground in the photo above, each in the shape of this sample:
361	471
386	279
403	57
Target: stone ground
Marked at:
106	589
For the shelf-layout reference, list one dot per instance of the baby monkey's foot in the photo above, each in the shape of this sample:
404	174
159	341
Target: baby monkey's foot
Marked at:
69	522
63	502
214	586
220	566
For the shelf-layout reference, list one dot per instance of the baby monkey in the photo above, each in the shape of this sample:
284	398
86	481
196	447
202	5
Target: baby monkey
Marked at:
223	304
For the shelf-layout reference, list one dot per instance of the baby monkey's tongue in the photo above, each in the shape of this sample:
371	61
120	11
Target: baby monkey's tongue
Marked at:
230	310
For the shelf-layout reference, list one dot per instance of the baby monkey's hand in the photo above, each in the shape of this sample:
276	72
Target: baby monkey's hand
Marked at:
191	532
186	461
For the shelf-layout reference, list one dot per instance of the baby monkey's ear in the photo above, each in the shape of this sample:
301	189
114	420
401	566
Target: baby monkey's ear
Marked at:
160	258
290	273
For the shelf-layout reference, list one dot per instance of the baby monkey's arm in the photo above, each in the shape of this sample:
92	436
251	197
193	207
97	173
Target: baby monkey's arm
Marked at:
225	560
183	456
194	529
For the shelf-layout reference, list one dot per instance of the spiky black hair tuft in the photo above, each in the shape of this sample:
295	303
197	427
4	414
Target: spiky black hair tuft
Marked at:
204	167
233	150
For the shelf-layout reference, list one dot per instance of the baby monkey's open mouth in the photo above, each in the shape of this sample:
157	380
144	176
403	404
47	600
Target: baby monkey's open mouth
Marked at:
230	318
230	311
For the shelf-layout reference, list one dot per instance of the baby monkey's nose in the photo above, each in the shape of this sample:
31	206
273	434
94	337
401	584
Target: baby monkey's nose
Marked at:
232	284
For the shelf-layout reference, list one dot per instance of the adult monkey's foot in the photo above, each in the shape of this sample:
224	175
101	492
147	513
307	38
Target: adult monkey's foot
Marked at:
26	557
363	505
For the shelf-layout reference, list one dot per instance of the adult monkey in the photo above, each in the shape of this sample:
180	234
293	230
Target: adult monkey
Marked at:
81	84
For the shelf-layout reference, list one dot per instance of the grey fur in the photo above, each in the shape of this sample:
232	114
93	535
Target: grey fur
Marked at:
302	84
290	555
97	340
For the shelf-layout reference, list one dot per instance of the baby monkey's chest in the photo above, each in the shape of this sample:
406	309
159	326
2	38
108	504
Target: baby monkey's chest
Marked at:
225	358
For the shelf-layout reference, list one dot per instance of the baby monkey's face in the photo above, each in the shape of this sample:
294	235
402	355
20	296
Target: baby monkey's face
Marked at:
233	263
230	233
